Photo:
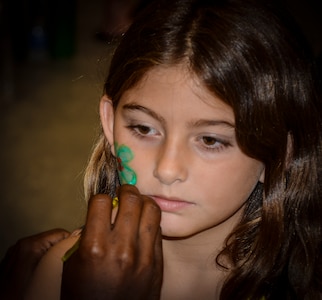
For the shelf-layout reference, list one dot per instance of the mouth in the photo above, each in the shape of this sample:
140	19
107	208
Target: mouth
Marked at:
171	204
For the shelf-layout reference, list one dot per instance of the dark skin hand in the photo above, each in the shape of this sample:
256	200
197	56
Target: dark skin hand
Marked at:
21	260
119	261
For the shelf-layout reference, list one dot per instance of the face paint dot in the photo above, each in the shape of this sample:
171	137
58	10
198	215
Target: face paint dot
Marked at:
119	164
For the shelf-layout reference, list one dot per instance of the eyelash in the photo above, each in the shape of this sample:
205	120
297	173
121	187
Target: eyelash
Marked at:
214	147
136	130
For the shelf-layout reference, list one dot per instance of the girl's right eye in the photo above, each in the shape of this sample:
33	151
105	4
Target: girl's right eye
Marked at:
143	130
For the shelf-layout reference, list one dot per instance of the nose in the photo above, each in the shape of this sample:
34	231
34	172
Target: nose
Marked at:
171	164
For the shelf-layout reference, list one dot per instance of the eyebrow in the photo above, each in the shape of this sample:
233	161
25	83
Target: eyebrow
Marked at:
193	124
153	114
205	123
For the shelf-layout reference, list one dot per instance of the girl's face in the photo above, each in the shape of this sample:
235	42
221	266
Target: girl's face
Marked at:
184	151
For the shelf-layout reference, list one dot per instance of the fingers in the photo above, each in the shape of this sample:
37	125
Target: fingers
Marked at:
40	243
138	218
149	234
53	236
135	228
138	224
32	248
18	265
98	223
123	261
158	267
129	214
158	252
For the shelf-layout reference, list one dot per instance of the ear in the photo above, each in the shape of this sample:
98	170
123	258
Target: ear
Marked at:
107	120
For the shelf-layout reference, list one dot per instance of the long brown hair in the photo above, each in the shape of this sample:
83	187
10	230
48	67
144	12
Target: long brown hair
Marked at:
242	53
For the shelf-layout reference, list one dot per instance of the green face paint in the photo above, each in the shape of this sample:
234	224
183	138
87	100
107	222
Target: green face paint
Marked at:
124	155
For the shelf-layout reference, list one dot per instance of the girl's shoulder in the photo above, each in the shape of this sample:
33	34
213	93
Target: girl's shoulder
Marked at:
46	281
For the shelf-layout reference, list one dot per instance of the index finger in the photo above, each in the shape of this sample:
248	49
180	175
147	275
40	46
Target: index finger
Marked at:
98	223
129	212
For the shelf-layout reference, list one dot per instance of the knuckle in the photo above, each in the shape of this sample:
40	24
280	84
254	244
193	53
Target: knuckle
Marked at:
125	259
93	251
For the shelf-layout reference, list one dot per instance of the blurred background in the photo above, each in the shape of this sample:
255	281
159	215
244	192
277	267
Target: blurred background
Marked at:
54	57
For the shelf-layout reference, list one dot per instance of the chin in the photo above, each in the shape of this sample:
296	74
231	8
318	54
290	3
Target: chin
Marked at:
177	234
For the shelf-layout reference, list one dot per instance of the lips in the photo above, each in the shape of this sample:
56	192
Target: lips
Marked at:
171	204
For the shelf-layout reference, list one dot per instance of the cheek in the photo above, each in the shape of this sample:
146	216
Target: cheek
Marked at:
232	180
244	179
125	156
142	164
134	163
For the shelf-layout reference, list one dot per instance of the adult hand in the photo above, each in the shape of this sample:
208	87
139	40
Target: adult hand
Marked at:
115	261
20	261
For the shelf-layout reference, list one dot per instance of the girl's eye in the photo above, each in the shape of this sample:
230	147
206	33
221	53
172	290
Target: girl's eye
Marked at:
143	130
211	143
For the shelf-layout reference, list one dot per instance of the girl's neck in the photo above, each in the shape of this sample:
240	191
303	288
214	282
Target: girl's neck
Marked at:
191	251
200	249
190	267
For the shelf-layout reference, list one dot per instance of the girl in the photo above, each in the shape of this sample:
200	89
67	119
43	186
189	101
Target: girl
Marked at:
211	111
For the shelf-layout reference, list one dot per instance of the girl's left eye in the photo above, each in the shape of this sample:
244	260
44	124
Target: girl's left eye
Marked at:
211	143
